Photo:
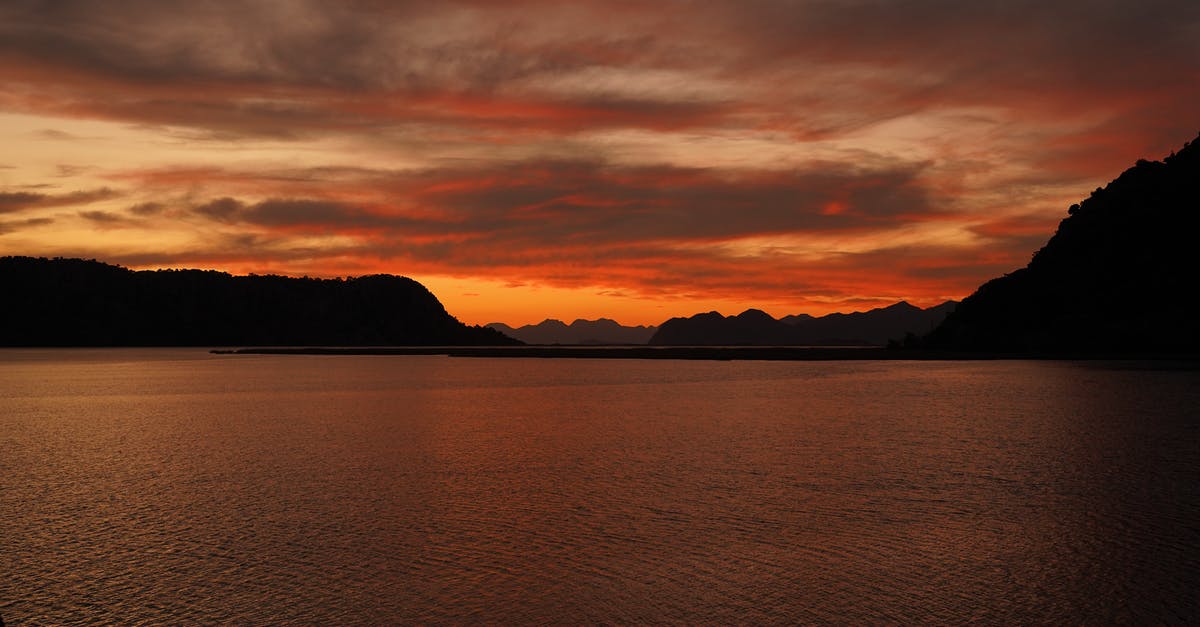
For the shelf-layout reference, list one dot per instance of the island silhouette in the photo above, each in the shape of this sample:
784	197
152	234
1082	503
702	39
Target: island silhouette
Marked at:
76	302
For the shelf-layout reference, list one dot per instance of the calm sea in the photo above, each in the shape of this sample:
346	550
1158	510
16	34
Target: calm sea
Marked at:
173	486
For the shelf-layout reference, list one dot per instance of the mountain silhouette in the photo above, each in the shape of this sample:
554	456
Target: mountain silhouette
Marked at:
579	332
756	328
74	302
749	328
875	327
1119	275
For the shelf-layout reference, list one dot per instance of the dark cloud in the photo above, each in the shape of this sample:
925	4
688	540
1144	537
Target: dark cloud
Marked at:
16	225
354	46
68	171
549	202
323	215
310	215
1119	64
52	133
1024	41
11	202
147	208
222	209
84	197
295	212
816	69
17	201
101	217
545	204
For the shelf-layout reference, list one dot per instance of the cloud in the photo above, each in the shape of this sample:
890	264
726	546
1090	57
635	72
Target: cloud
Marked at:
286	214
314	213
69	171
222	209
101	217
815	68
12	202
298	68
147	208
547	203
17	225
51	133
591	202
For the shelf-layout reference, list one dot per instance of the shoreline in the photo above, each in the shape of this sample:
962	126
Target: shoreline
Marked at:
710	353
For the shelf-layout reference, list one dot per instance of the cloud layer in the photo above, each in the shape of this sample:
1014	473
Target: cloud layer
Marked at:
803	156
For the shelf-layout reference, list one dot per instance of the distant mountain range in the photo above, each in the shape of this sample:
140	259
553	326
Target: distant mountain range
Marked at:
73	302
1119	275
757	328
579	332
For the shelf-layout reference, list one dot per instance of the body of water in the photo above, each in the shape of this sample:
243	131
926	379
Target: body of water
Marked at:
174	486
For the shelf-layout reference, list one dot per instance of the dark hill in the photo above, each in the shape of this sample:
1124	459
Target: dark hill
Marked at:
875	327
1119	275
579	332
73	302
749	328
756	328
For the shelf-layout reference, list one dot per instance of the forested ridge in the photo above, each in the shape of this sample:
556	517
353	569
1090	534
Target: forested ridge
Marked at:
76	302
1118	276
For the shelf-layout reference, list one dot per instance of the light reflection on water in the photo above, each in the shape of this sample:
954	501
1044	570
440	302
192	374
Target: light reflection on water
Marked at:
177	486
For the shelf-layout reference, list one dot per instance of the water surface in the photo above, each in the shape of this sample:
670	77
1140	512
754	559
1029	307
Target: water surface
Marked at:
174	486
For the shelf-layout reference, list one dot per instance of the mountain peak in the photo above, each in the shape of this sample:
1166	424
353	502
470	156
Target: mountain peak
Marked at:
755	314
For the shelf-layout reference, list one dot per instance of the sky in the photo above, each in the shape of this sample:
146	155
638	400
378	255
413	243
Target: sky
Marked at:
531	159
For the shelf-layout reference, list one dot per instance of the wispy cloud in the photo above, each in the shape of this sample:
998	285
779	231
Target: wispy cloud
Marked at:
12	202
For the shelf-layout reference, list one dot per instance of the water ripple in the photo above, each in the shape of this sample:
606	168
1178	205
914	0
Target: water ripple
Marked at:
174	487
